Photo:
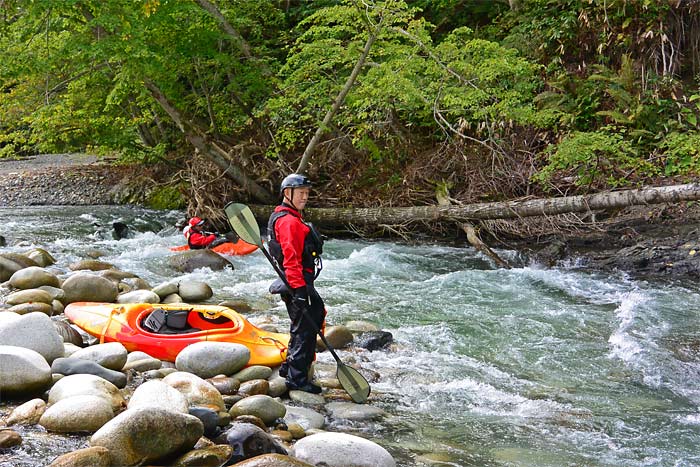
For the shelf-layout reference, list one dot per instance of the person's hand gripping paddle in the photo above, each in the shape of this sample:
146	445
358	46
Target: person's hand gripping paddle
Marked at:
246	227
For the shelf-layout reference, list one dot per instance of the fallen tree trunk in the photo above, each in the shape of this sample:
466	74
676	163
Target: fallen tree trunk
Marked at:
500	210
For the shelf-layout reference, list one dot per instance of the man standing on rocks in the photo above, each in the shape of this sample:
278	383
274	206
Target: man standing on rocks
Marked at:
297	248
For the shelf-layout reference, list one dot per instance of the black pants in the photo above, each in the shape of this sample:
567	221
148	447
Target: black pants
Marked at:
302	342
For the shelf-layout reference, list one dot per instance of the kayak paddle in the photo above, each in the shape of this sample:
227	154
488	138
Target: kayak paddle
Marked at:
244	224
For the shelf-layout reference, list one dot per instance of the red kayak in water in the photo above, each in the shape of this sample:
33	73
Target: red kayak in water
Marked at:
228	248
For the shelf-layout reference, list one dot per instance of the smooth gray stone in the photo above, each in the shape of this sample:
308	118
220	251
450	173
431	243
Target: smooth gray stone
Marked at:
78	366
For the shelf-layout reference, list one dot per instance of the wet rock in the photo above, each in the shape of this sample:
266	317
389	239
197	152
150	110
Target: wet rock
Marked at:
173	298
28	413
83	287
9	438
55	292
116	275
273	460
208	359
248	441
141	361
198	392
277	386
33	277
142	436
32	331
209	419
8	268
373	340
96	456
77	414
341	450
253	372
165	289
22	260
264	407
211	456
252	419
254	386
307	398
42	257
33	307
28	296
352	411
157	394
194	291
90	265
136	283
112	355
339	337
197	259
67	332
225	385
78	366
138	296
23	371
307	418
78	385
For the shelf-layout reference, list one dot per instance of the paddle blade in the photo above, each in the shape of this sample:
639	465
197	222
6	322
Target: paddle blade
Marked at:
354	383
243	223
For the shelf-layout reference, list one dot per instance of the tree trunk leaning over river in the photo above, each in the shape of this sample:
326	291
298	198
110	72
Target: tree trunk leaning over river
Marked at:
501	210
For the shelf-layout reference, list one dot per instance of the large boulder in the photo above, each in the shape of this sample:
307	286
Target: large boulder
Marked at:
33	331
22	371
198	392
262	406
341	450
91	385
194	291
40	256
197	259
77	414
22	260
95	456
208	359
138	296
32	278
28	413
31	307
112	355
142	436
157	394
28	296
84	287
8	268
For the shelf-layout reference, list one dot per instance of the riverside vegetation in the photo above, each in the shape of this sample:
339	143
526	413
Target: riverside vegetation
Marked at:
410	100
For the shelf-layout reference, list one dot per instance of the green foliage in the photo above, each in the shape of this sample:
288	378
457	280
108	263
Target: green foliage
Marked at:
599	158
166	197
471	83
682	153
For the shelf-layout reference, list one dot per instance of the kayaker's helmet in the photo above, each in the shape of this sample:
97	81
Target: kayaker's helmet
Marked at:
196	222
295	181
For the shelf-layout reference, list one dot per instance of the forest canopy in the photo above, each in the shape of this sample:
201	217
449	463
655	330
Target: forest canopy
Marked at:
484	100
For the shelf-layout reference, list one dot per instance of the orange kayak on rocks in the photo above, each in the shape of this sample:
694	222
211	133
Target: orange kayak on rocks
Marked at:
228	248
163	330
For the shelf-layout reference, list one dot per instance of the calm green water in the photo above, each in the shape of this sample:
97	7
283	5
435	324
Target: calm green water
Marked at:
526	367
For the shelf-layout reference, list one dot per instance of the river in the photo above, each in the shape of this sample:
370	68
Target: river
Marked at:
531	366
